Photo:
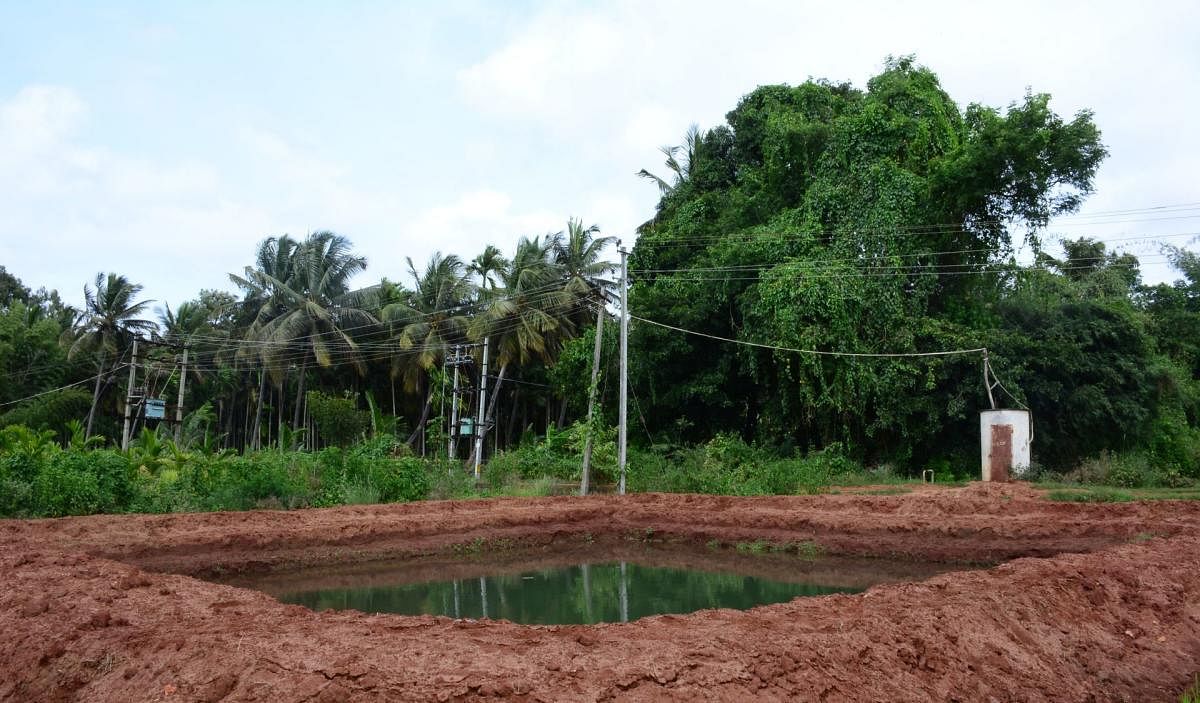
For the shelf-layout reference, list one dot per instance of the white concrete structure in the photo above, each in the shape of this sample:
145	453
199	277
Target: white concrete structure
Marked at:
1004	437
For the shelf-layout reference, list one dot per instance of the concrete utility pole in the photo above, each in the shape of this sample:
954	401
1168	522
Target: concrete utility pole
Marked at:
179	405
129	396
482	408
987	382
623	430
593	389
453	433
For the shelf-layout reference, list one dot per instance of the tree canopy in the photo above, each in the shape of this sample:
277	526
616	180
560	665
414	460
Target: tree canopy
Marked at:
822	217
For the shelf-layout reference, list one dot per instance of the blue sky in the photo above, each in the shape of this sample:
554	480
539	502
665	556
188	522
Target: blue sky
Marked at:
163	140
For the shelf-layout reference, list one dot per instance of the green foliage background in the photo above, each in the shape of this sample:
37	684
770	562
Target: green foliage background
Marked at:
820	216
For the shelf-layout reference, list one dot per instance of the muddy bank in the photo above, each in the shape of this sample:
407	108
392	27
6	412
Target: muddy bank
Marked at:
829	571
89	611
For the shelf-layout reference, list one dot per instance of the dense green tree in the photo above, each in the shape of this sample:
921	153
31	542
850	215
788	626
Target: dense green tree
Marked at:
11	289
828	218
31	358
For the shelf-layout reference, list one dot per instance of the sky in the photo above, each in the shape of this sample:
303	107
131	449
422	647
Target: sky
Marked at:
164	140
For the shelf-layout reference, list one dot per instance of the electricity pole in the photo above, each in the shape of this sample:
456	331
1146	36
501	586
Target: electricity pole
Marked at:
179	405
623	430
482	408
129	396
585	482
456	361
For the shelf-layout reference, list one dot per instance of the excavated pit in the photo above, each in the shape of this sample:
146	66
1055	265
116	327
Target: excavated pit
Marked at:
573	582
1091	602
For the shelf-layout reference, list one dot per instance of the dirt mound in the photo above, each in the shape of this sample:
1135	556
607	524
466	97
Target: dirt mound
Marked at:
89	612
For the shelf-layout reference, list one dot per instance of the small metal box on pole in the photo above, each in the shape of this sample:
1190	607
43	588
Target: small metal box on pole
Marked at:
156	409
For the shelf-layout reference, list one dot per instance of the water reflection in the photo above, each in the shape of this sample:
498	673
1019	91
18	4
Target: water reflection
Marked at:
583	593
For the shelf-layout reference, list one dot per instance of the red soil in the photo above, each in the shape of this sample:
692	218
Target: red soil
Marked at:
99	609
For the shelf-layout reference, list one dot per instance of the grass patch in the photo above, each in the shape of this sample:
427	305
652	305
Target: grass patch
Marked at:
479	545
806	549
758	546
1192	694
1098	494
1083	493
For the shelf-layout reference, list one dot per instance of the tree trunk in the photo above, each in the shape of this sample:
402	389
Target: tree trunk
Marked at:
512	418
562	414
246	436
297	413
419	430
256	432
585	481
95	396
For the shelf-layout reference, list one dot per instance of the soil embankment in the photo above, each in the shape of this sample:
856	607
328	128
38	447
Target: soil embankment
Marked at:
104	608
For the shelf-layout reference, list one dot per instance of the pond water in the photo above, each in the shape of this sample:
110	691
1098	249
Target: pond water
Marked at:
579	586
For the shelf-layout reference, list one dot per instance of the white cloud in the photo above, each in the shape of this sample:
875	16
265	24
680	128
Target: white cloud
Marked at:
73	209
647	127
613	81
472	221
541	71
38	117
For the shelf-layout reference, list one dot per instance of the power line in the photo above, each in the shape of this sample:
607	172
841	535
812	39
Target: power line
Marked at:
386	350
887	355
69	385
899	231
775	275
822	264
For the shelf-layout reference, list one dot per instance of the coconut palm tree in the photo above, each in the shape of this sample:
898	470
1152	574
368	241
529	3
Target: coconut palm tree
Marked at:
191	325
487	266
273	261
578	253
109	321
528	321
305	317
681	161
430	319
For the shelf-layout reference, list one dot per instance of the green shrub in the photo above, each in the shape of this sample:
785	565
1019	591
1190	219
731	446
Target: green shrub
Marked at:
115	479
60	490
1175	448
448	480
261	479
558	456
51	411
360	493
727	465
502	469
397	478
338	420
1136	469
16	497
401	479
